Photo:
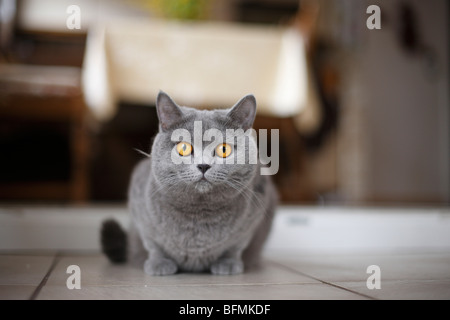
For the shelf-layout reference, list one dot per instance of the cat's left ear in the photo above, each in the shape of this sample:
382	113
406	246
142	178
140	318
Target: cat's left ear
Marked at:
243	113
168	111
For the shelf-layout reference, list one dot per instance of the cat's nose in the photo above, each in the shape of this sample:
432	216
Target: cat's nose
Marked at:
203	167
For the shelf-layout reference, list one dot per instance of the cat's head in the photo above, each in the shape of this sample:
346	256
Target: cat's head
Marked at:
205	151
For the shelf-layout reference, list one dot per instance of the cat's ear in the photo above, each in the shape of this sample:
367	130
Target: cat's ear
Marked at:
243	113
168	111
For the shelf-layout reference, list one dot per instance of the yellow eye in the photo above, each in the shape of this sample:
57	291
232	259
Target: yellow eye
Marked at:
184	149
223	150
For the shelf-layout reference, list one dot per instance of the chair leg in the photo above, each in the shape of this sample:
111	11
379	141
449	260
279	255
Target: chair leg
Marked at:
80	155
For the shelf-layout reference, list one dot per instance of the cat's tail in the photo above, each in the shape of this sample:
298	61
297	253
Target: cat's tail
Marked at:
114	241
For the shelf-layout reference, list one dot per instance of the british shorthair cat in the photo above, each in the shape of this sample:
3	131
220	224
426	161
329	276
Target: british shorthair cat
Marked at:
193	210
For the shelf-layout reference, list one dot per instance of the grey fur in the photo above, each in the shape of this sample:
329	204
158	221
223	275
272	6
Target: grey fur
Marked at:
180	223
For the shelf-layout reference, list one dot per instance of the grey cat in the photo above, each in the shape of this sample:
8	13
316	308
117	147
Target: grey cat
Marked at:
202	216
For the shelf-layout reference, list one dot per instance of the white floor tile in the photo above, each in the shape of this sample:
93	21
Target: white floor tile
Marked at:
98	271
212	292
23	270
340	267
284	277
16	292
404	289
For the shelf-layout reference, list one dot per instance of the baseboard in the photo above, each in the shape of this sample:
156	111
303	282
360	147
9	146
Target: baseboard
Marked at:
295	228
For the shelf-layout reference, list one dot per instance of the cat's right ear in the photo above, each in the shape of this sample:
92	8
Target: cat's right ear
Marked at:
243	113
168	111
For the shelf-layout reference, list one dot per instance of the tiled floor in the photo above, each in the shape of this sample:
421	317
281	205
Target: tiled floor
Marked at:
283	276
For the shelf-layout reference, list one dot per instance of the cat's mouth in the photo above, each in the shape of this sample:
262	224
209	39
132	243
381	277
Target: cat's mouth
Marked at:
203	185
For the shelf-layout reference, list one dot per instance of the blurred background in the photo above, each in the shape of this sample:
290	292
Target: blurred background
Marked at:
363	113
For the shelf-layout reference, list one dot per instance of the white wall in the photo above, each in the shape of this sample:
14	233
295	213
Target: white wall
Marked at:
295	228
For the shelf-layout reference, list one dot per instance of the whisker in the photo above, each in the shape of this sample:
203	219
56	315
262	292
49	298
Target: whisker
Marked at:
250	197
142	152
254	197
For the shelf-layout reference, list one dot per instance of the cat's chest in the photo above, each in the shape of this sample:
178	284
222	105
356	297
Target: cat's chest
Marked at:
191	233
193	230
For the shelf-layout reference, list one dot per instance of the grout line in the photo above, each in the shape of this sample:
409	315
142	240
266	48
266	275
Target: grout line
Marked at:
46	277
323	281
349	290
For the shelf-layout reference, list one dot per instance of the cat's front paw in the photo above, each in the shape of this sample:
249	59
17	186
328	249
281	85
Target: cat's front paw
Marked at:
227	267
160	267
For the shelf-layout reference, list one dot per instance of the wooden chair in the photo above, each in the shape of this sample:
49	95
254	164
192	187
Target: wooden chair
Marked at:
42	96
